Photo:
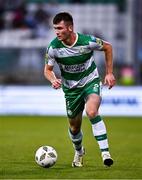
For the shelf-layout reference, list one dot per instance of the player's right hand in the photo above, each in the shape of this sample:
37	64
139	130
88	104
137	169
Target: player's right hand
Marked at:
56	84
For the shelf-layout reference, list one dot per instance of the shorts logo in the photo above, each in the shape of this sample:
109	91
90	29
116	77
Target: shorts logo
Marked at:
96	86
68	103
69	112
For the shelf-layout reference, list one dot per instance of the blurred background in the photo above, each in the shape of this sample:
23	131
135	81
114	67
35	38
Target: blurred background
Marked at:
26	30
30	109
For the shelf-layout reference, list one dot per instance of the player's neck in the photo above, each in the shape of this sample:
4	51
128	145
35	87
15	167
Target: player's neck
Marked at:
71	40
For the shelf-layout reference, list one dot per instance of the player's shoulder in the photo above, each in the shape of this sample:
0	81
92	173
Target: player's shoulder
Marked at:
55	43
88	37
84	38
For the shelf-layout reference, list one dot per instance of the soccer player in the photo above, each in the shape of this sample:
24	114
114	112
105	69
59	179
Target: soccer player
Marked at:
80	81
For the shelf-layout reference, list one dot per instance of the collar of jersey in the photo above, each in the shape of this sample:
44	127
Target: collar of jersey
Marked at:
73	43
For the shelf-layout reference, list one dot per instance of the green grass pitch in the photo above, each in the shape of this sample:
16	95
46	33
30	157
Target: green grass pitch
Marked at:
20	136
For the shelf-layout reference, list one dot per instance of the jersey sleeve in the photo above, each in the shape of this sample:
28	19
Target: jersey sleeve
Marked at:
96	43
49	56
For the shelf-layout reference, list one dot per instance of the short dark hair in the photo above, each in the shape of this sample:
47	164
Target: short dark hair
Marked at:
63	16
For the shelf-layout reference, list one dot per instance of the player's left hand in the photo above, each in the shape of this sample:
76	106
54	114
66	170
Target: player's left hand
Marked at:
109	80
56	83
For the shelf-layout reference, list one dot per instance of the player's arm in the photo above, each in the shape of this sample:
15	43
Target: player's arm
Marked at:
109	77
100	45
50	76
48	69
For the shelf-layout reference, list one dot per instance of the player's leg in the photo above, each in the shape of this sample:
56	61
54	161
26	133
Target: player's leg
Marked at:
75	134
98	127
75	131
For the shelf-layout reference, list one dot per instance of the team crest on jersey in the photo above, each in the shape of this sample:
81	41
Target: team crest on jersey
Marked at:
61	51
82	50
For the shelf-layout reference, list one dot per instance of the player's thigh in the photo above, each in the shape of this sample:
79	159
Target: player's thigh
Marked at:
93	103
75	105
93	98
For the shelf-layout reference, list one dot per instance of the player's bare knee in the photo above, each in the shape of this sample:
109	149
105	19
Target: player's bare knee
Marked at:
92	113
74	130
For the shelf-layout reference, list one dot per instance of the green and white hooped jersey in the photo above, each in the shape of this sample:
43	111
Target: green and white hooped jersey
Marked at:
76	62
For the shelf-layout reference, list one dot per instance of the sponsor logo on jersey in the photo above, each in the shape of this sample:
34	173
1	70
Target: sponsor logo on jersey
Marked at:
75	68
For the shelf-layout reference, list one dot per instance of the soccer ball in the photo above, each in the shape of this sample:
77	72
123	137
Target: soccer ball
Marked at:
46	156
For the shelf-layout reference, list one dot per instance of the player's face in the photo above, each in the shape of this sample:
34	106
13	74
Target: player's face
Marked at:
63	30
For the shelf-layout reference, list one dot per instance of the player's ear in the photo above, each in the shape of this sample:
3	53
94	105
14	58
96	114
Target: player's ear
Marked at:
70	28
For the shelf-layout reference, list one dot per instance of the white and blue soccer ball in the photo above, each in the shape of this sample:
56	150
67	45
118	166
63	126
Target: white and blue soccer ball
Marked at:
46	156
